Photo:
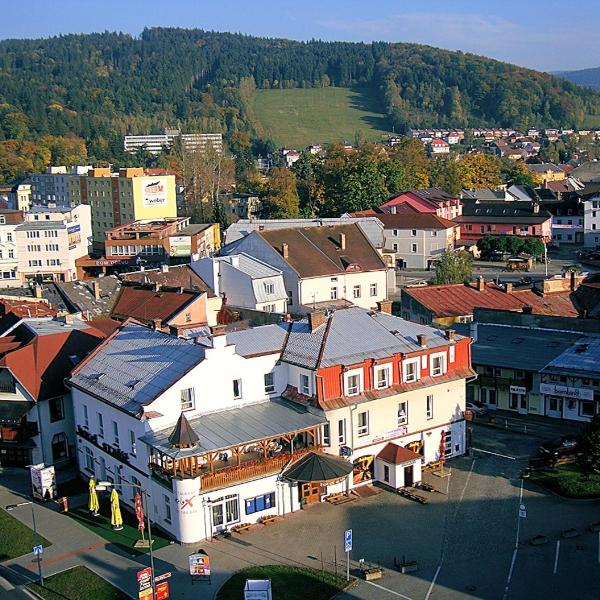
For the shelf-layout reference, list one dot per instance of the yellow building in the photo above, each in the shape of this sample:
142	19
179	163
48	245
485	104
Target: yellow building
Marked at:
126	196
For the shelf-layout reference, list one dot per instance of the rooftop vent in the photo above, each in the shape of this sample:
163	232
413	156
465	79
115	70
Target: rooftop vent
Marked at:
581	348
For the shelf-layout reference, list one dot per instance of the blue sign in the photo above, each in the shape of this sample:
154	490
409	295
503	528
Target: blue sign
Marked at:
348	540
37	550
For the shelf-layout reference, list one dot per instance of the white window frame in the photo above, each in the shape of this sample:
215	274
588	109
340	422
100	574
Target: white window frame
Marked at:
356	291
362	429
132	444
373	289
333	293
100	424
237	396
410	361
383	369
304	389
402	419
341	432
188	403
269	387
429	406
452	354
414	248
116	438
444	364
327	434
354	390
269	288
86	417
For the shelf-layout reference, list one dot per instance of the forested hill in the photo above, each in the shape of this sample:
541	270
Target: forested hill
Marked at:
101	86
587	77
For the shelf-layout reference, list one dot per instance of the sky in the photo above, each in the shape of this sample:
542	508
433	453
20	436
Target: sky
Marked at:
542	34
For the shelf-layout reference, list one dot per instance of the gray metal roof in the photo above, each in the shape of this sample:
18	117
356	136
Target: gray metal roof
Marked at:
50	325
251	266
258	340
519	347
227	428
581	357
30	225
136	365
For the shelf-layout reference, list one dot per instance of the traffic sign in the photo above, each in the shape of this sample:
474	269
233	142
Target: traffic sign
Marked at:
522	511
348	540
162	577
37	550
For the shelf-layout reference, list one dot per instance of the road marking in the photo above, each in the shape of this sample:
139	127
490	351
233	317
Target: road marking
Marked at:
495	453
388	590
556	556
462	495
514	556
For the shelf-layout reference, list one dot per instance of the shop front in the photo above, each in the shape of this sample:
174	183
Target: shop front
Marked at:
565	402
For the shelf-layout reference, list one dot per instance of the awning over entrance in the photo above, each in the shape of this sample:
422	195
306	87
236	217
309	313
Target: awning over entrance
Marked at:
318	467
397	455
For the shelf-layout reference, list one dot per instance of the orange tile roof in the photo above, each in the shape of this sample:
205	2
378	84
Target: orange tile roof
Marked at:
25	308
397	455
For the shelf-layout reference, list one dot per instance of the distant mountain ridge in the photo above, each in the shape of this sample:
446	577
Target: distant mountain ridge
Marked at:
584	77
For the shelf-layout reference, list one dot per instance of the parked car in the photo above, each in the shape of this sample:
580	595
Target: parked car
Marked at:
559	447
477	408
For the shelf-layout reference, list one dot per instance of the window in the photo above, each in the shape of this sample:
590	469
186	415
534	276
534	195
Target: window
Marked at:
333	293
438	364
382	377
89	459
326	434
2	220
373	289
342	431
237	389
188	399
53	262
35	263
225	511
356	291
269	383
9	237
448	443
57	409
395	248
132	446
304	384
429	405
269	287
116	433
413	233
363	423
260	503
386	473
395	233
188	317
270	308
167	506
86	420
413	248
100	425
451	353
411	370
403	413
586	409
353	384
60	447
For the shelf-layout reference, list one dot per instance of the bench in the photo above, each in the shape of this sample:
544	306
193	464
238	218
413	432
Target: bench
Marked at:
412	496
426	486
339	498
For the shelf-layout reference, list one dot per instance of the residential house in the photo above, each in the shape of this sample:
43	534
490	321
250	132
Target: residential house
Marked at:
590	197
92	297
545	172
430	200
321	266
439	146
244	281
10	219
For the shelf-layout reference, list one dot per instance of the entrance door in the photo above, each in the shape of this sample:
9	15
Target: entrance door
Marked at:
554	406
310	492
523	404
408	476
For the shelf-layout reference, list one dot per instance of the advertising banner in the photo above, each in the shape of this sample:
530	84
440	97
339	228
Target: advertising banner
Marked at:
144	579
180	245
74	236
155	192
199	565
568	392
43	482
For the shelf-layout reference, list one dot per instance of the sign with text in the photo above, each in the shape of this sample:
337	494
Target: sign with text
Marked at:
554	389
199	565
144	579
155	192
43	482
162	591
517	389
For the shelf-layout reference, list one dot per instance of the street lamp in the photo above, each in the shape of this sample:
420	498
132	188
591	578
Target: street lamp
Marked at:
103	485
35	533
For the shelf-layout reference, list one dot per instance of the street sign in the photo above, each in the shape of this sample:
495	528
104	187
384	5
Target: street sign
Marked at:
162	577
37	550
348	540
522	511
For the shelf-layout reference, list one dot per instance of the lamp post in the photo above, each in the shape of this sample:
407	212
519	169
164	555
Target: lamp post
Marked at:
35	533
103	485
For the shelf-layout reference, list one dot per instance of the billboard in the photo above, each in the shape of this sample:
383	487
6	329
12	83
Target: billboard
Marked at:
180	245
74	236
154	192
43	482
199	565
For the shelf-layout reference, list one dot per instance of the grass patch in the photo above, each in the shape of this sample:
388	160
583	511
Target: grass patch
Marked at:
300	117
78	583
569	481
124	539
17	539
291	583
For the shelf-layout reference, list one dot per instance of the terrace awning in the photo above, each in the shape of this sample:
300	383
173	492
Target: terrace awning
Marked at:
318	467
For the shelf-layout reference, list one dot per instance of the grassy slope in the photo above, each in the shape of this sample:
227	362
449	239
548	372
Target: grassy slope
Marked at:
299	117
16	539
77	584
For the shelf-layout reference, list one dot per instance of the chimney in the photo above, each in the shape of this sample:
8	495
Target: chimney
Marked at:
480	284
342	241
68	318
156	324
37	291
385	306
285	250
164	268
536	208
450	334
508	288
527	310
422	340
96	289
316	318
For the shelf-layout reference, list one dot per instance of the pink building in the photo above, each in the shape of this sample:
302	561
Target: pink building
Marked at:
430	200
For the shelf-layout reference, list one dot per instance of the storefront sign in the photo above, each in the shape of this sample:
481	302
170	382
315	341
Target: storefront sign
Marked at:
553	389
388	435
155	193
517	389
180	245
199	565
144	579
43	482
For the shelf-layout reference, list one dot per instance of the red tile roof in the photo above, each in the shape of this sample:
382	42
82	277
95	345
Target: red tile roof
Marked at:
415	220
458	299
397	455
24	308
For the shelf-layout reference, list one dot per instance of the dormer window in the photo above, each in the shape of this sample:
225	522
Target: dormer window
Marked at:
269	287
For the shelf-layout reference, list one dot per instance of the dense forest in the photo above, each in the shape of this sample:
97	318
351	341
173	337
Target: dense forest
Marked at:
95	88
587	77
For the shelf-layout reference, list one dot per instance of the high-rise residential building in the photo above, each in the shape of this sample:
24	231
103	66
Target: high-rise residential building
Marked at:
126	196
20	197
50	240
154	143
56	185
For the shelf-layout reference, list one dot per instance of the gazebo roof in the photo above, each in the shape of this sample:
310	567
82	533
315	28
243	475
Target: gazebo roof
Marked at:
183	436
318	467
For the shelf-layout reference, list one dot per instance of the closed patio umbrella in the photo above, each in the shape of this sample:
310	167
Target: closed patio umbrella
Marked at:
115	511
93	503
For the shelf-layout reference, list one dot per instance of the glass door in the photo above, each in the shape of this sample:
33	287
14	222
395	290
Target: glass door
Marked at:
554	406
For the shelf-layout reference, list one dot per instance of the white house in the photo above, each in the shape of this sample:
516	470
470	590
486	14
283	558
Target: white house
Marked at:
245	281
10	219
591	215
322	266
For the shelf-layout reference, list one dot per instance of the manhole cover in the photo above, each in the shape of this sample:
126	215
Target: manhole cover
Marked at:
471	588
